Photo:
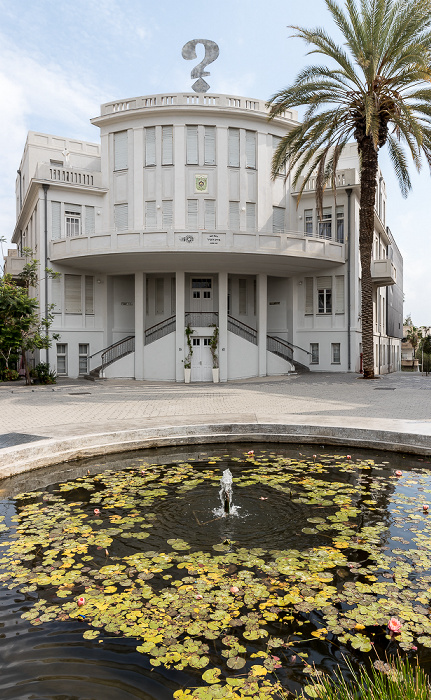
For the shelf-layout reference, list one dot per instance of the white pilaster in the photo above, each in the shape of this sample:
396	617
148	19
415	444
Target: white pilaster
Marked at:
262	321
139	323
222	320
180	349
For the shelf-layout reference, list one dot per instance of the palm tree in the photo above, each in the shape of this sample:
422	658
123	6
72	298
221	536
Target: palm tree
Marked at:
374	91
414	336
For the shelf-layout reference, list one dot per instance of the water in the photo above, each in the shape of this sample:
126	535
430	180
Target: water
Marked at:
372	521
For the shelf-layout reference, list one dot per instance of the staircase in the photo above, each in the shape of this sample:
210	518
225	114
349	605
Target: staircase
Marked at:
278	346
111	354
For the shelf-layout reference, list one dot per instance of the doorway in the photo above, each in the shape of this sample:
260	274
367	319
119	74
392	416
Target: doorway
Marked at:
201	360
201	294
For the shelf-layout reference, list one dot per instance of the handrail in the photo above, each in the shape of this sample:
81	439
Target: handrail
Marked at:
201	318
242	330
123	347
159	330
289	344
111	346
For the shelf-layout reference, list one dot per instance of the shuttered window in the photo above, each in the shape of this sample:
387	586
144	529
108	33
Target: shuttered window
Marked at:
150	215
234	224
160	295
209	145
335	353
250	149
209	222
150	145
121	217
340	224
233	148
56	220
72	220
89	294
192	152
278	219
56	295
72	294
120	150
89	221
167	145
61	358
324	295
314	349
192	213
242	296
309	308
167	213
250	215
339	294
308	222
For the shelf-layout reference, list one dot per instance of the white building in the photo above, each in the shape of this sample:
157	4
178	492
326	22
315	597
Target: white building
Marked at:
173	222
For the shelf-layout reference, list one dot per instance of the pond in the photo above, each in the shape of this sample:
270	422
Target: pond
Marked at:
125	578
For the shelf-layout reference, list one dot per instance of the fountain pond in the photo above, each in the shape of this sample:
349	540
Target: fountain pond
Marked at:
226	573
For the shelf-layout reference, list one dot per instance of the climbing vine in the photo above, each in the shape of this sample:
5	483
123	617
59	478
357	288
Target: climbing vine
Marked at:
188	358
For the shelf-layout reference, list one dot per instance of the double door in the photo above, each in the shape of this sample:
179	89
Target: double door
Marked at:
201	360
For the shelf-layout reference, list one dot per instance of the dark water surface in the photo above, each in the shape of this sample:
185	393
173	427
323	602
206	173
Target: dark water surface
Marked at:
53	661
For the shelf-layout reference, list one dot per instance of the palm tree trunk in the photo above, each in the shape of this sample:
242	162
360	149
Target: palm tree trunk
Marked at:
369	166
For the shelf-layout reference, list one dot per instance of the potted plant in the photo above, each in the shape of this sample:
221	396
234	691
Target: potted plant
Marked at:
214	352
188	358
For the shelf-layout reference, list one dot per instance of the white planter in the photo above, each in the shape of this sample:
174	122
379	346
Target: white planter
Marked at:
216	375
187	375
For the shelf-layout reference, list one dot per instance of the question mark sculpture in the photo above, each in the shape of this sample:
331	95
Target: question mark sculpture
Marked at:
211	53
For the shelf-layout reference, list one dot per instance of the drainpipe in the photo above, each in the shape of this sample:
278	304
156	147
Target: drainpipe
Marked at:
20	189
45	191
349	349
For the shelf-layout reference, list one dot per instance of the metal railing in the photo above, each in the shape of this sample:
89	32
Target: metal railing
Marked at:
279	347
201	319
117	351
241	329
159	330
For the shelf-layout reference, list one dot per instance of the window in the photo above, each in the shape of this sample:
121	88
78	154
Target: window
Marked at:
121	217
61	358
209	145
150	145
150	215
339	294
233	148
192	152
324	295
250	149
314	349
89	221
308	222
325	224
120	150
72	294
234	216
309	295
56	220
209	214
242	296
167	145
340	224
278	219
335	353
201	283
167	213
83	358
73	220
250	216
160	295
89	294
192	213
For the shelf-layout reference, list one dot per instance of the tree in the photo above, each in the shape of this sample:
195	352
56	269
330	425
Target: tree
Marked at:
414	336
375	91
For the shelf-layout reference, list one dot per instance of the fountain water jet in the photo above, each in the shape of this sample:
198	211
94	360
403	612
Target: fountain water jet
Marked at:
226	491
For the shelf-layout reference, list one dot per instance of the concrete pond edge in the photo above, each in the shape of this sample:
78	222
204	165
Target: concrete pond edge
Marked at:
52	451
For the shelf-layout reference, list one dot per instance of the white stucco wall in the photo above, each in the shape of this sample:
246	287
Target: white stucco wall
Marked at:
276	365
124	368
159	359
242	359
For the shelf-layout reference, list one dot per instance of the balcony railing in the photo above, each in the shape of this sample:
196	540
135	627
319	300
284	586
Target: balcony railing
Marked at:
69	176
201	319
383	272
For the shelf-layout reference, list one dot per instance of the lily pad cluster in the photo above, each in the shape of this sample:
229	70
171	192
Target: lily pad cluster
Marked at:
234	616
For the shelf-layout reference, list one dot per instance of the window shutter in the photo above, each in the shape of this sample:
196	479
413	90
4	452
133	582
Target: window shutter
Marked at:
192	145
210	154
234	224
250	149
192	213
233	148
210	222
339	294
120	150
72	294
324	283
150	145
89	294
167	210
56	295
121	217
278	219
89	221
250	213
150	215
56	220
309	295
167	145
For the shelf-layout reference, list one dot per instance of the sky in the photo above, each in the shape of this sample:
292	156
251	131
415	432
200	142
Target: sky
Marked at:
60	60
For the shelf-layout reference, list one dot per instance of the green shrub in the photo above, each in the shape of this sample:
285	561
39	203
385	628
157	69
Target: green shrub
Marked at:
44	374
9	375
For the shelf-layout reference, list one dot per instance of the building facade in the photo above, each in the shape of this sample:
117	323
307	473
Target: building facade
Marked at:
173	223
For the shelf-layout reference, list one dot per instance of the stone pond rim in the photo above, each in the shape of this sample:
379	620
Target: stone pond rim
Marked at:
50	451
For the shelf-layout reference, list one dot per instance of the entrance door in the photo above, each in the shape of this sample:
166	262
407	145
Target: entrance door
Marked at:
201	294
201	360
